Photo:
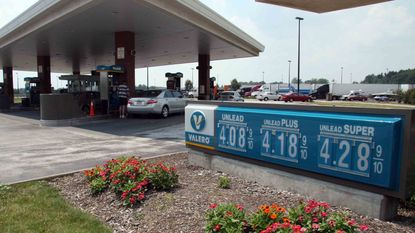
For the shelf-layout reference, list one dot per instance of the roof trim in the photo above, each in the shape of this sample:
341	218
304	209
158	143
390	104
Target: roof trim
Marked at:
212	22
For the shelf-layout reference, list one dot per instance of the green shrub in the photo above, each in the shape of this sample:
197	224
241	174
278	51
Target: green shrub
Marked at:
163	177
265	216
130	178
229	218
98	185
312	216
224	182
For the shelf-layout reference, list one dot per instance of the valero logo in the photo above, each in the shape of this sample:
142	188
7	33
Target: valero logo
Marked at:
198	121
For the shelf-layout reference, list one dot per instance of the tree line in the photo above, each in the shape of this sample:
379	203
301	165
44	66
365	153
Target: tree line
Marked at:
392	77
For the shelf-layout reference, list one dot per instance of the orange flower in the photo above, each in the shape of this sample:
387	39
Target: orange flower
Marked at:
267	210
286	220
280	209
273	216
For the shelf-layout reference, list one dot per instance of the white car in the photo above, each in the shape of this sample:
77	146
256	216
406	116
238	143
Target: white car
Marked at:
193	94
255	93
265	96
230	96
160	102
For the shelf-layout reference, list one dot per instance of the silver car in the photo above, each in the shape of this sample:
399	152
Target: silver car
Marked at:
230	96
160	102
264	96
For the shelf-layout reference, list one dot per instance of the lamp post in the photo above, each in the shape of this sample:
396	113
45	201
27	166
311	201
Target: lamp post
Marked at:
298	76
341	76
192	76
263	76
147	78
289	71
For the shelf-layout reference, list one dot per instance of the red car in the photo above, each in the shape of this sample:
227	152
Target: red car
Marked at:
293	96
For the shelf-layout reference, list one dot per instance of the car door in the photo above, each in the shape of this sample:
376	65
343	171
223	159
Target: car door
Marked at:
169	98
179	101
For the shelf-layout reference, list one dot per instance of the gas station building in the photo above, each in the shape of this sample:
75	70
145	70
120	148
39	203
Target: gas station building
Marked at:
75	37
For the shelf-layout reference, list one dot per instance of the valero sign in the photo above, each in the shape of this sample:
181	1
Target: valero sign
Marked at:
199	127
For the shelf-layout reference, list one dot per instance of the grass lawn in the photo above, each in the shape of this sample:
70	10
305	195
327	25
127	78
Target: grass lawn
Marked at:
37	207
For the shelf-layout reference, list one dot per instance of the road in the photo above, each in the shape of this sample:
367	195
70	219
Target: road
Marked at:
29	151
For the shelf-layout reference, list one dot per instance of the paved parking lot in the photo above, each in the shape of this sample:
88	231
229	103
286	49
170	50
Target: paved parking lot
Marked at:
29	151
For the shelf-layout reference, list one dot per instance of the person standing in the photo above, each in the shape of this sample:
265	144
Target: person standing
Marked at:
123	91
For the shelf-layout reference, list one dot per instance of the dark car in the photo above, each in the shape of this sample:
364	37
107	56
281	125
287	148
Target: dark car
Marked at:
293	96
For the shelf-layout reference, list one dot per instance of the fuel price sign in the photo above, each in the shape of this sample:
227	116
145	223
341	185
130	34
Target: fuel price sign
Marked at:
361	148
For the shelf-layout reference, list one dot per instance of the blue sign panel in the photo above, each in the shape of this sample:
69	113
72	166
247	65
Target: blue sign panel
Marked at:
355	147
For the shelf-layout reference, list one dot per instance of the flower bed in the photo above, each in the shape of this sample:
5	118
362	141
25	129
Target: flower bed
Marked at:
131	178
311	217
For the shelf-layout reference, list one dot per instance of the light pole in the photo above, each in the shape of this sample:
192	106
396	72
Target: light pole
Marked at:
298	76
341	76
147	78
263	76
289	71
192	77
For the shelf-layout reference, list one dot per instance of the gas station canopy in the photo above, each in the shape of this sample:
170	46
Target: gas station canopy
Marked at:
79	35
322	6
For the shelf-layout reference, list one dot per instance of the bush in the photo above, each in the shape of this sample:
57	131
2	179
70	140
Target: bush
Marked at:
162	177
131	178
267	215
224	182
229	218
407	97
306	217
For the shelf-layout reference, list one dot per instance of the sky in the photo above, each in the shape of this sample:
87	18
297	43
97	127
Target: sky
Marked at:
367	40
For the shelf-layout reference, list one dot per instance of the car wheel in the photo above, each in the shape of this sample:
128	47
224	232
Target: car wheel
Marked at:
266	99
165	112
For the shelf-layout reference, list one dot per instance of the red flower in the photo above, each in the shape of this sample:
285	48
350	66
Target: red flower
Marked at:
217	227
315	226
323	214
315	220
364	228
213	205
141	196
132	200
351	222
240	207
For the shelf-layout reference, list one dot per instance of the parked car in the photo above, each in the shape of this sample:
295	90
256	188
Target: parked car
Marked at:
265	96
293	96
192	94
354	96
162	102
230	96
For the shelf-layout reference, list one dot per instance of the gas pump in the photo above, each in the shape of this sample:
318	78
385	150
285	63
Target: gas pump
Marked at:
32	92
174	81
110	77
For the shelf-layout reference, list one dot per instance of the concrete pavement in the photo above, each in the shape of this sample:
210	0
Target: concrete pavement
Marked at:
29	151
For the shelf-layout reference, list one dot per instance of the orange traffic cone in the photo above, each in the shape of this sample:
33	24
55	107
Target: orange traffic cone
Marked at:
91	109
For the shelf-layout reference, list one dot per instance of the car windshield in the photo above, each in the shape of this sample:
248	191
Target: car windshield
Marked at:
149	93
